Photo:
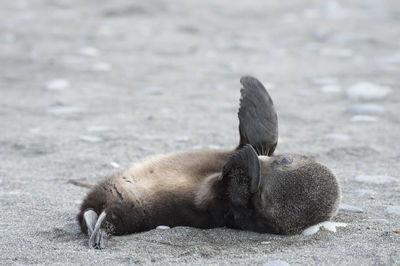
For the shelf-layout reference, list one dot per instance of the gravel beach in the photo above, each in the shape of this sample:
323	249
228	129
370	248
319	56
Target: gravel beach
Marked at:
88	87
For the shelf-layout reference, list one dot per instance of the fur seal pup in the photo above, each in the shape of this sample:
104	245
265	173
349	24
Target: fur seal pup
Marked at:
247	188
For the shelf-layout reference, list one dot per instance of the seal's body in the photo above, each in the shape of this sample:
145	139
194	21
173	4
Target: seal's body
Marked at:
163	190
247	188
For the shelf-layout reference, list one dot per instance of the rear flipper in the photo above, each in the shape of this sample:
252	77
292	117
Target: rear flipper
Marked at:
96	233
258	121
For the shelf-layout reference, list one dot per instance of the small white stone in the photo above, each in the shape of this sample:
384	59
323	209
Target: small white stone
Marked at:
105	30
331	89
92	139
214	147
15	192
165	110
375	179
278	52
393	210
61	110
152	137
334	10
328	225
311	230
88	51
35	130
391	59
367	91
349	208
276	263
331	226
153	90
102	67
336	52
324	81
197	147
163	227
114	164
8	37
265	242
57	84
72	60
338	137
182	138
362	192
97	129
366	109
364	118
311	13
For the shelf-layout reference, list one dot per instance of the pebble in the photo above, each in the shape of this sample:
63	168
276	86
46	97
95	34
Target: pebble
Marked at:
114	164
61	110
349	208
391	59
197	147
72	60
265	242
8	37
276	263
331	89
279	52
97	129
330	226
367	91
88	51
375	179
393	210
366	109
338	137
364	118
57	84
333	10
153	90
35	130
163	227
154	137
102	67
15	192
336	52
362	192
182	138
324	81
105	30
214	147
92	139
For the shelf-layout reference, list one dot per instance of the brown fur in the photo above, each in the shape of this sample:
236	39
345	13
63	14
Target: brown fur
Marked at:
243	188
155	191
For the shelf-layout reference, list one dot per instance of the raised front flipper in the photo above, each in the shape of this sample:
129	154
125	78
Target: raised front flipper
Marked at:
258	121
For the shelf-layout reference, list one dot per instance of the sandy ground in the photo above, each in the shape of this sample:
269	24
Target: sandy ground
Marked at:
87	86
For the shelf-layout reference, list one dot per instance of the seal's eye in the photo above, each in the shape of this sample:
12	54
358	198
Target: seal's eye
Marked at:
285	160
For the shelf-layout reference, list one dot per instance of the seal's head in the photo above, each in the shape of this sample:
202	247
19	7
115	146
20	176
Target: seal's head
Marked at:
281	194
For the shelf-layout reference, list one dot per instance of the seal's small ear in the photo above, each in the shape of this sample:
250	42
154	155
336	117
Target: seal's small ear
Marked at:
244	166
258	121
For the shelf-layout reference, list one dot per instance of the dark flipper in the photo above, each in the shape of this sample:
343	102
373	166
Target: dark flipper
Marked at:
258	121
241	175
95	231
